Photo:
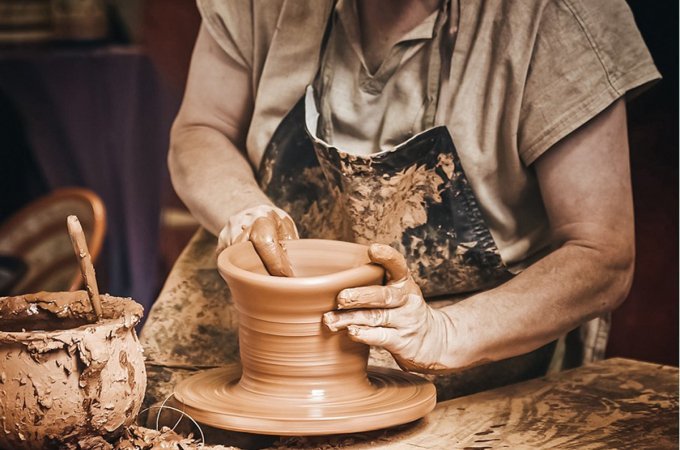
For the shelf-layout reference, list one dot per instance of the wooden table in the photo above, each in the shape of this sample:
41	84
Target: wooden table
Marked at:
612	404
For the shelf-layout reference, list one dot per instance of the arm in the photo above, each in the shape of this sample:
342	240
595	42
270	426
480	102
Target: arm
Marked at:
208	166
585	183
207	161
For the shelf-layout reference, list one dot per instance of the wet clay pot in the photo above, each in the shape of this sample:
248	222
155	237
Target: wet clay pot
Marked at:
299	378
63	379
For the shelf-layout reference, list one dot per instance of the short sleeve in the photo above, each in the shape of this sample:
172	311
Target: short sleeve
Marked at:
586	55
230	23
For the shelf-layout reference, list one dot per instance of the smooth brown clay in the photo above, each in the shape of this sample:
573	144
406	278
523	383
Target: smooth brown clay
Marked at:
298	378
75	232
62	379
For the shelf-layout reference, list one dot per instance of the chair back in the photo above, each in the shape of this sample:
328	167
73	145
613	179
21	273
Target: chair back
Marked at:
37	234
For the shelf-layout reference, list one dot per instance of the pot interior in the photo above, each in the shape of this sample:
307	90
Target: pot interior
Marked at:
308	257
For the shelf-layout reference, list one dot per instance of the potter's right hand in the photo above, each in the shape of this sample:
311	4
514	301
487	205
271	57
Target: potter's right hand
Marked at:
265	226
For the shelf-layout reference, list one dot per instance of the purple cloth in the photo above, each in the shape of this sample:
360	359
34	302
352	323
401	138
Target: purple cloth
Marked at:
100	118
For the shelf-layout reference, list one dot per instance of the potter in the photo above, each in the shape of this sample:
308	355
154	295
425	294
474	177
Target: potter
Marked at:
458	134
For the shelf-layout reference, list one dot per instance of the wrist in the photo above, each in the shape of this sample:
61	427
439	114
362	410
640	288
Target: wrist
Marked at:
242	220
457	353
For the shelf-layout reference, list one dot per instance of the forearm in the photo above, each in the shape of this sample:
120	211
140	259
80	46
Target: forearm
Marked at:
209	170
585	185
211	176
575	283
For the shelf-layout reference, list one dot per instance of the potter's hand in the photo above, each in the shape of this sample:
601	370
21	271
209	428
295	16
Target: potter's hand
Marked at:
265	226
394	316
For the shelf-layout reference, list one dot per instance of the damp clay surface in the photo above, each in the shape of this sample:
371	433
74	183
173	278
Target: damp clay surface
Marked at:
298	378
62	378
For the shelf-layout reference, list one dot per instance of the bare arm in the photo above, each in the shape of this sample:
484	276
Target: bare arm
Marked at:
207	162
585	182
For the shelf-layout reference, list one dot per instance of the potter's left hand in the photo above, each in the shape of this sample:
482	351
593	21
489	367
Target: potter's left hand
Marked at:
394	316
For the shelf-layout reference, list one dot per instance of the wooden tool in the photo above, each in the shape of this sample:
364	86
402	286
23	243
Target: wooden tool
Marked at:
75	231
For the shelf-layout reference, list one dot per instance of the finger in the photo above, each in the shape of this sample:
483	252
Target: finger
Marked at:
369	317
264	237
390	296
393	261
286	229
377	336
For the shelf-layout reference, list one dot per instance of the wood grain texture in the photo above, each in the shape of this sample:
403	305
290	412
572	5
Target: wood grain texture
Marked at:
612	404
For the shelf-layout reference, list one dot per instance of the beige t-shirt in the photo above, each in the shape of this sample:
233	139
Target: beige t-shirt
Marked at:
523	75
364	112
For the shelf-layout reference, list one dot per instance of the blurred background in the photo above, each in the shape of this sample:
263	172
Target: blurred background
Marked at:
88	91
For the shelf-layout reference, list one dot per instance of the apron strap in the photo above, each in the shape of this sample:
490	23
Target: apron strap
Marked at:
435	67
324	45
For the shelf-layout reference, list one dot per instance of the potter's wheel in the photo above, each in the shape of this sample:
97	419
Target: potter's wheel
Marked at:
215	398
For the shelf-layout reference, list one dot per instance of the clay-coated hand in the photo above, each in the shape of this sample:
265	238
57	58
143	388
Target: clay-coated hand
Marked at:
394	316
265	226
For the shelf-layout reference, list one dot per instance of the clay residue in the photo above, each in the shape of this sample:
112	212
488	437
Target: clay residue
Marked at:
364	207
62	384
45	311
382	208
323	218
134	437
140	438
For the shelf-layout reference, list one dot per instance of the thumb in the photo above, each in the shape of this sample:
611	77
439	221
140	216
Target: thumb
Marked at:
393	261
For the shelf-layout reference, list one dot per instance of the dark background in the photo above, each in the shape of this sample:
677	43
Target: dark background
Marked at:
645	327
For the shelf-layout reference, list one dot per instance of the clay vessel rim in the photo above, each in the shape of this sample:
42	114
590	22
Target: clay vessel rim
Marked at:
129	314
227	268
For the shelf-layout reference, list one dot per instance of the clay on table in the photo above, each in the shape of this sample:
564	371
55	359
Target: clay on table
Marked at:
298	378
62	378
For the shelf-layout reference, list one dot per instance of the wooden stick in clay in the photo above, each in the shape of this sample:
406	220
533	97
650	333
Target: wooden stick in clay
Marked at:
75	231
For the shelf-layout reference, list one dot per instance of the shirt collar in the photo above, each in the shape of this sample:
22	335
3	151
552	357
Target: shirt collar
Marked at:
347	13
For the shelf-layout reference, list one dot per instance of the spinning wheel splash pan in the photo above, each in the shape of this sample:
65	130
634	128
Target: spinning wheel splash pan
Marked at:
297	377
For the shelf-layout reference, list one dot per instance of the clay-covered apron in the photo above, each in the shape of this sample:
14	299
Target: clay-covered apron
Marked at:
414	197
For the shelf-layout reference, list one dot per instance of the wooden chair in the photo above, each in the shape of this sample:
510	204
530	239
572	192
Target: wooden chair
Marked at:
37	235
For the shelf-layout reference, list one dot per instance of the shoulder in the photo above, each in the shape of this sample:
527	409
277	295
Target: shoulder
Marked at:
245	29
545	66
608	27
585	55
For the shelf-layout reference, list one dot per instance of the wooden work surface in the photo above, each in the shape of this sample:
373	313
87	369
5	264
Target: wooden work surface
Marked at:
612	404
